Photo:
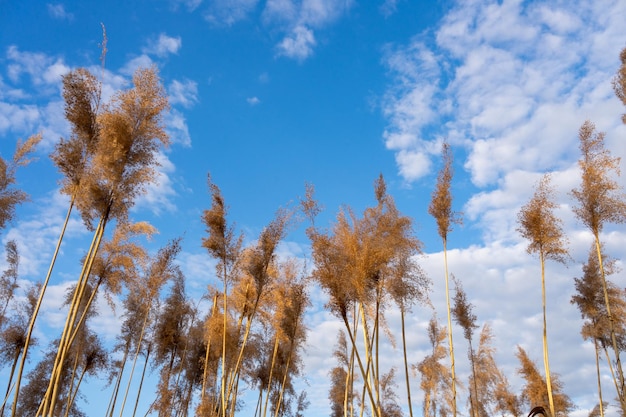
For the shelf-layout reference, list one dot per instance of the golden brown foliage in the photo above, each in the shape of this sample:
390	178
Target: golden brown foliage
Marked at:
589	299
441	202
9	196
435	378
462	311
81	92
221	241
493	393
540	226
535	392
362	253
600	197
619	81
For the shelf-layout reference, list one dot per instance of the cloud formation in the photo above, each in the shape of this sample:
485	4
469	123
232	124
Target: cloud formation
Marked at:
163	46
58	11
508	81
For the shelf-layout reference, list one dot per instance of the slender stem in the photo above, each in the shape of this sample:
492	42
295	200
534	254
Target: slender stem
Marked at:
282	387
360	362
595	346
66	348
42	292
143	374
406	362
16	357
546	360
118	381
206	356
269	381
451	346
618	364
137	352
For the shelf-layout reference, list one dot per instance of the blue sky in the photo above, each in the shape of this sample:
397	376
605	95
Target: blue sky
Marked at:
269	95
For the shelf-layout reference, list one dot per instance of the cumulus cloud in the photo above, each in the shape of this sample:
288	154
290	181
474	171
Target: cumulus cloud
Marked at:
140	61
43	70
300	20
163	46
298	44
509	81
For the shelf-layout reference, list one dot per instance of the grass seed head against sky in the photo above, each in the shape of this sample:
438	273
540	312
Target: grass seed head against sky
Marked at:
270	95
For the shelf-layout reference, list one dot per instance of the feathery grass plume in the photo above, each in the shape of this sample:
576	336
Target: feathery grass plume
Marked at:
464	317
353	264
91	358
535	392
8	279
10	197
493	392
441	209
407	285
170	338
597	410
538	223
13	336
259	265
589	299
130	131
225	247
619	81
310	206
435	378
38	377
81	92
290	320
601	200
341	393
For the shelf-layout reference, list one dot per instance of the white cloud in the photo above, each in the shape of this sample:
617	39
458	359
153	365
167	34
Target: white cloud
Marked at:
389	7
300	20
176	128
43	70
159	195
141	61
280	11
191	5
318	13
229	12
184	93
163	46
253	101
413	164
511	82
58	12
298	44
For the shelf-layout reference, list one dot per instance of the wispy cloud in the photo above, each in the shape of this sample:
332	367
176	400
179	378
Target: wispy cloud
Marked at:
301	20
58	11
159	194
229	12
183	92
